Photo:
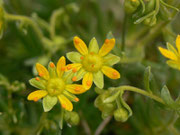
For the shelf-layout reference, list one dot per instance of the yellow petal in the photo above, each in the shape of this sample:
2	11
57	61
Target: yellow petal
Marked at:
107	47
65	103
36	95
110	72
42	71
167	53
75	88
75	67
178	43
87	80
80	45
61	66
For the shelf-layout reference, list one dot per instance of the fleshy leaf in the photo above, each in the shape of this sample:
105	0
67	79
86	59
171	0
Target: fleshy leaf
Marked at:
165	95
74	57
147	78
49	102
93	46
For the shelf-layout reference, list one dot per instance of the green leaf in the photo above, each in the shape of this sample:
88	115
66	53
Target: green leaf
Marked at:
147	79
111	59
49	102
74	57
93	46
98	79
38	84
165	95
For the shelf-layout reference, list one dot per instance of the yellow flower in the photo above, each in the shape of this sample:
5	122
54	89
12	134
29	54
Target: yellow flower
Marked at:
54	84
91	63
172	54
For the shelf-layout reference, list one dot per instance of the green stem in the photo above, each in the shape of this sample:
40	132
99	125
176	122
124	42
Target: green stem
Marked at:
62	117
11	17
140	91
53	19
169	6
40	126
124	33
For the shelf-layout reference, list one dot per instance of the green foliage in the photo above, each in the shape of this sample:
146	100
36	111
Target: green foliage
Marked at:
42	31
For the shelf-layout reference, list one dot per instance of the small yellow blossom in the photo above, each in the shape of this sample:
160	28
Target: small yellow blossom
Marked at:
91	63
54	84
172	54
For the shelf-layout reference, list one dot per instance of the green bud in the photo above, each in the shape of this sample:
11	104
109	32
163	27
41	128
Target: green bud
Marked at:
131	6
121	115
72	118
150	21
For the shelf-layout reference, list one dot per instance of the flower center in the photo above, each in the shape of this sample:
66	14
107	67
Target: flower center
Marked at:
92	62
55	86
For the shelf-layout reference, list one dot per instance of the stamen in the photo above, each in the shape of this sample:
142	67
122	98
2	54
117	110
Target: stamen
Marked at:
63	106
92	53
76	99
77	89
115	73
52	65
63	68
69	67
81	57
74	78
107	41
74	70
76	41
41	74
88	83
35	99
37	79
92	65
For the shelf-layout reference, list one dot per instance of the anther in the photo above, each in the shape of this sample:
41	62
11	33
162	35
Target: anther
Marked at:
88	83
74	70
107	41
69	67
81	57
52	65
37	79
76	41
76	99
63	106
63	68
40	74
77	89
92	53
74	78
92	65
35	99
115	73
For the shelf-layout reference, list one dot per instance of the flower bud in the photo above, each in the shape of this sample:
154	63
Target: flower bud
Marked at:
121	115
72	118
131	6
150	21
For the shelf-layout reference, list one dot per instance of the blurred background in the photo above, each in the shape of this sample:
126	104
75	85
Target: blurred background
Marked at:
56	23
